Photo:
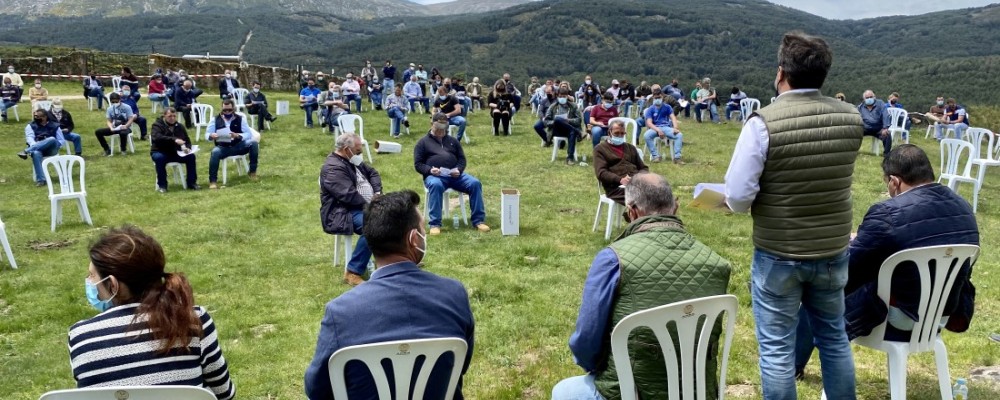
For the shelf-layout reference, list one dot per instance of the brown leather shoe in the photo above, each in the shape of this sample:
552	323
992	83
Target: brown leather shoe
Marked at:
483	228
353	279
253	177
213	185
435	230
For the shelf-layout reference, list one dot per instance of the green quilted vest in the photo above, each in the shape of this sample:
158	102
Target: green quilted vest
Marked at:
803	210
660	264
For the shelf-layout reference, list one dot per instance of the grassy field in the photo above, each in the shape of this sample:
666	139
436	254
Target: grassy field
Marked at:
261	264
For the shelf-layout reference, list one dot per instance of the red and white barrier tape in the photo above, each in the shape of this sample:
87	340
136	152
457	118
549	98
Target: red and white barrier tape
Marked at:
110	76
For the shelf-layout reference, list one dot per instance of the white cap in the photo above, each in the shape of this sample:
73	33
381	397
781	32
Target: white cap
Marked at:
614	82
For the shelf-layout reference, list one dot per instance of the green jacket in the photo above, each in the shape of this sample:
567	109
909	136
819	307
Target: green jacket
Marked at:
660	264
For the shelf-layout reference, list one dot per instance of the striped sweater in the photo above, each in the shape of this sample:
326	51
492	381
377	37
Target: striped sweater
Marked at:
105	352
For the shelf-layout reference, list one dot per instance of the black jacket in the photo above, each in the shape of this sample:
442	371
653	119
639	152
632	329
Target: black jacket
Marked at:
164	136
429	152
339	195
65	123
224	89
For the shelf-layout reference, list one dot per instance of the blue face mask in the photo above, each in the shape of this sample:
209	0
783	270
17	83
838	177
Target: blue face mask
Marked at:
617	140
657	102
562	100
96	302
607	106
869	101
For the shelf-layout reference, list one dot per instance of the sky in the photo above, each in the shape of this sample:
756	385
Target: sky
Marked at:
857	9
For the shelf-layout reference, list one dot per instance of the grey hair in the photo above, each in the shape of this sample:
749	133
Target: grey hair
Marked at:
615	123
346	140
868	91
650	193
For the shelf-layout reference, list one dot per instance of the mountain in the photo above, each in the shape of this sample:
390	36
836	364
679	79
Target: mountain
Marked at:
472	6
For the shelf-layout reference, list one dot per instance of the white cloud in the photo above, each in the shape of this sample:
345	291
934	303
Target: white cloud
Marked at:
858	9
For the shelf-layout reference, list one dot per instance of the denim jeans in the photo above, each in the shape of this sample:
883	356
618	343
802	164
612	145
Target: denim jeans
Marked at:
99	94
729	110
356	98
464	183
713	111
458	121
778	288
159	97
359	260
576	388
76	140
668	133
886	141
310	109
466	106
540	130
388	84
47	147
376	98
959	130
596	133
219	153
422	100
562	128
396	116
626	107
4	105
160	161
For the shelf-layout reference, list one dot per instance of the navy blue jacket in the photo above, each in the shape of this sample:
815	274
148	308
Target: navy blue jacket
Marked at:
399	302
928	215
431	152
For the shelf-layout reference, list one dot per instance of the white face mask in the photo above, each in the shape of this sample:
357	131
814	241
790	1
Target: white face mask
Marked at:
355	158
423	251
443	97
38	86
229	76
256	90
587	81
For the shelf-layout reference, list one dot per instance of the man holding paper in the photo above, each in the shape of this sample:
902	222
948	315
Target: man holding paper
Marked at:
616	162
439	158
232	137
170	143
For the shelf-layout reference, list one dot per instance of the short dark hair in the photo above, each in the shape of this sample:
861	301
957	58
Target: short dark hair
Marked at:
229	102
909	163
389	218
256	83
608	96
804	59
563	92
736	90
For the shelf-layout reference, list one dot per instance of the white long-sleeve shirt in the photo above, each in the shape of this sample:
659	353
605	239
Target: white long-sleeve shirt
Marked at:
350	87
743	176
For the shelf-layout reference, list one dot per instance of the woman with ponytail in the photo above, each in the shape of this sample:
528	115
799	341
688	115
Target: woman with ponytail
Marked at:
148	332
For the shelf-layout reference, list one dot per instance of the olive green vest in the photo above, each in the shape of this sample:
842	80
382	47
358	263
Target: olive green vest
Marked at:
660	264
803	210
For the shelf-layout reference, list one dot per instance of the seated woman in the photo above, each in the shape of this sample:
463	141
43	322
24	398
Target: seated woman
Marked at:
157	91
500	102
148	332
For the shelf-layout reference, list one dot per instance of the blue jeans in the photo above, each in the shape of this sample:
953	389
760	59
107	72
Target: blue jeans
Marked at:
356	98
397	116
886	141
99	94
733	107
778	288
377	98
239	149
713	111
359	260
4	105
562	128
76	140
422	100
959	129
668	133
389	84
466	106
159	97
596	133
47	147
540	130
576	388
626	106
464	183
160	161
310	109
458	121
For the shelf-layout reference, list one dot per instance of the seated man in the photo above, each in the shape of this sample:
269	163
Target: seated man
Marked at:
475	91
512	90
169	139
541	108
92	87
661	123
9	96
60	115
44	139
411	303
735	96
320	79
590	92
227	85
375	92
184	97
37	93
131	100
563	120
352	92
308	99
414	94
599	117
396	108
654	252
458	90
919	213
15	78
256	104
936	112
894	102
707	98
955	117
876	120
232	137
157	91
119	122
440	159
451	107
616	162
333	106
347	186
131	81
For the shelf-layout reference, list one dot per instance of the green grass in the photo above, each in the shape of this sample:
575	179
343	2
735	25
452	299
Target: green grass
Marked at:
259	261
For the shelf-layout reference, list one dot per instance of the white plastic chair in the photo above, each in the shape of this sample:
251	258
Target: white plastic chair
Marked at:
344	241
176	168
14	109
556	140
131	143
951	154
631	128
42	104
132	393
446	206
6	246
453	131
403	355
239	97
357	125
614	212
116	83
64	166
685	374
897	124
948	260
747	107
202	114
983	157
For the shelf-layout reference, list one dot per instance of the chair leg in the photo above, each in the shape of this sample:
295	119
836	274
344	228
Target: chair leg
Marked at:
461	203
55	212
941	359
369	151
6	248
84	211
597	217
607	226
336	250
897	373
225	171
555	149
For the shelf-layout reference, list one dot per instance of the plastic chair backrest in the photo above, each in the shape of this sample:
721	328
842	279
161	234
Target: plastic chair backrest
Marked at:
951	154
116	82
975	136
44	105
354	121
132	393
748	106
897	118
631	128
693	321
64	166
934	290
239	96
403	355
202	113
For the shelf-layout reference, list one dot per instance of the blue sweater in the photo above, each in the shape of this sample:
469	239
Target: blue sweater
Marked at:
875	119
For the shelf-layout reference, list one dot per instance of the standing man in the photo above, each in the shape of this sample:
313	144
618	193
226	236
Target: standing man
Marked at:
876	120
439	158
388	75
421	75
227	85
119	120
256	104
347	186
451	107
170	138
232	137
801	220
512	91
44	138
60	115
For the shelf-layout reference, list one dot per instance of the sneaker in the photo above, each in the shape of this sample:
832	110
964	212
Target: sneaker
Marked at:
161	189
107	153
435	230
406	123
321	125
253	177
570	161
483	228
23	155
656	159
678	161
194	187
213	185
353	279
41	183
546	144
